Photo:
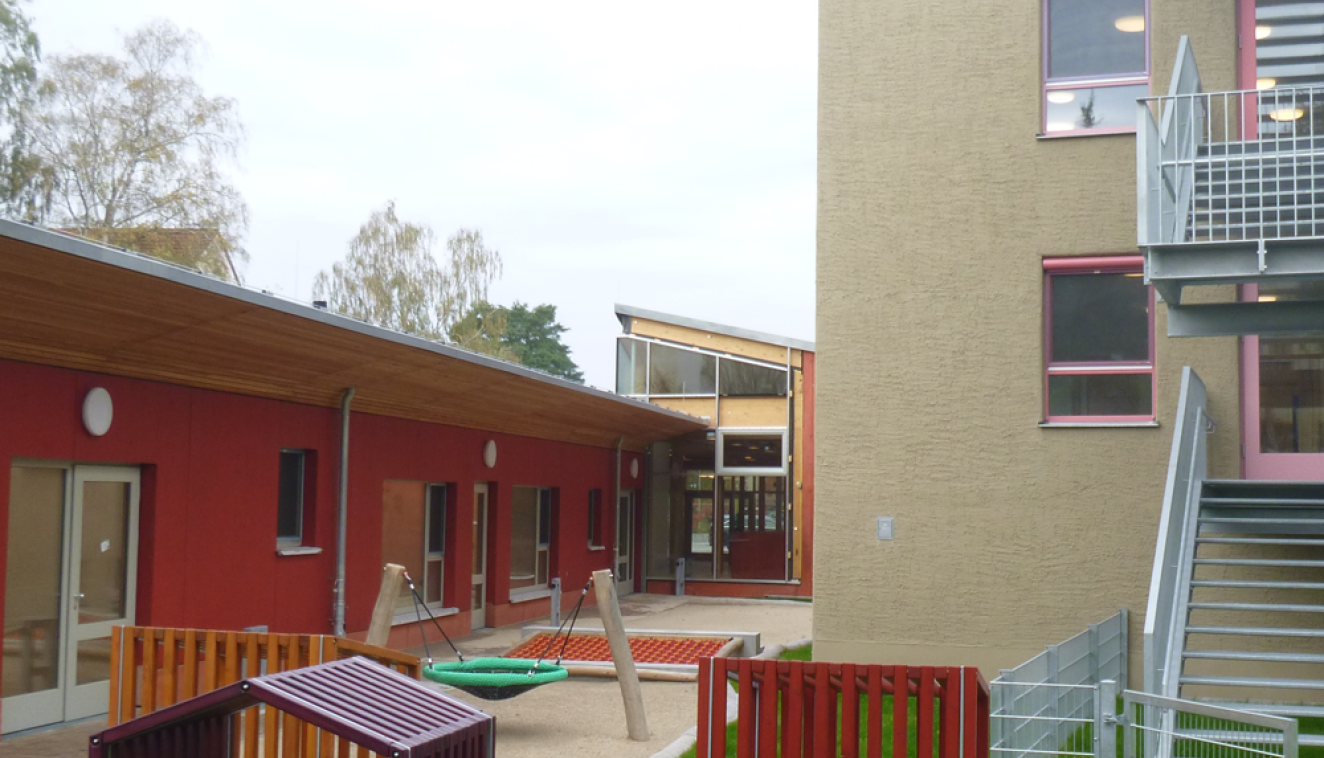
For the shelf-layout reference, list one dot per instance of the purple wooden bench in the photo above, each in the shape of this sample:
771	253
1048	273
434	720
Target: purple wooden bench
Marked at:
359	701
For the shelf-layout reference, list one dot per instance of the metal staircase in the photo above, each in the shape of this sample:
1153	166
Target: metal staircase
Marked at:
1254	626
1236	601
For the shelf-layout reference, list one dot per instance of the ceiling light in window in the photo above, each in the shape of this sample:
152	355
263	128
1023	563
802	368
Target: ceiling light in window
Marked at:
1130	24
1267	82
1268	298
1263	32
1061	97
1287	114
1060	126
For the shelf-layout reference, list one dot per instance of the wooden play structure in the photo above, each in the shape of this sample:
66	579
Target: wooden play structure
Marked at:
154	668
353	705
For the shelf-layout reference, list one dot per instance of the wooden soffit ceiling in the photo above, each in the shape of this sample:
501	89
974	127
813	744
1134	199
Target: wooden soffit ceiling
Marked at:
69	303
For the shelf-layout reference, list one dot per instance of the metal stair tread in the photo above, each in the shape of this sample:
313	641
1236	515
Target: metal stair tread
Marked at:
1256	584
1253	681
1256	607
1253	520
1252	655
1256	631
1305	541
1260	562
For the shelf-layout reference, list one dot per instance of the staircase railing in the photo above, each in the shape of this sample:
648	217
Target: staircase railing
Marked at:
1169	133
1169	588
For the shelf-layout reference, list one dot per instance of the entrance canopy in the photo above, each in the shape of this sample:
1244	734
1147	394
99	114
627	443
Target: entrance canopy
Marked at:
78	305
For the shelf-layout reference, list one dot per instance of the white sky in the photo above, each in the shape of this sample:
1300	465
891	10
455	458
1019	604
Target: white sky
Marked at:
658	155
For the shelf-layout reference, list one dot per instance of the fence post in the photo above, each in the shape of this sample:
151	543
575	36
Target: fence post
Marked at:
1128	734
1054	693
1094	653
1124	663
1105	720
556	601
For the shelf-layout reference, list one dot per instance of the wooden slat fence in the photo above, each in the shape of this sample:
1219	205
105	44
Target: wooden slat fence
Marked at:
154	667
796	709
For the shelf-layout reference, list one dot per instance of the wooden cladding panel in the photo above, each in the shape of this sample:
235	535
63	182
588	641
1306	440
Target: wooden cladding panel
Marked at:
62	310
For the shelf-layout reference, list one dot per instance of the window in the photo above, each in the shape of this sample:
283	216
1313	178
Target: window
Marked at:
530	538
1096	64
751	451
631	367
435	574
1099	326
741	379
414	536
673	371
595	518
290	502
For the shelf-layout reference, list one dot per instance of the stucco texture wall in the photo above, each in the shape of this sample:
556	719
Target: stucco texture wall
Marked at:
937	204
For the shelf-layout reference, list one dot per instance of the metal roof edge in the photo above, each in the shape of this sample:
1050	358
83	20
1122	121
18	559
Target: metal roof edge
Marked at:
142	264
624	312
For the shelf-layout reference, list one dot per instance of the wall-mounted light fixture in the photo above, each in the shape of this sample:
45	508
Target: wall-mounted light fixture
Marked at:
489	453
98	411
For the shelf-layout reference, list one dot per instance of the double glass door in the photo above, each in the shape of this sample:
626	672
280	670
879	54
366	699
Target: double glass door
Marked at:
71	566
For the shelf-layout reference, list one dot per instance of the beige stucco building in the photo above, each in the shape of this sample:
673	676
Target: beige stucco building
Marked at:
977	190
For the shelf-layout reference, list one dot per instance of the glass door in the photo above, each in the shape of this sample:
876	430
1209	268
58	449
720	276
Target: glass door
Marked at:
34	594
1283	395
478	609
71	575
625	544
103	558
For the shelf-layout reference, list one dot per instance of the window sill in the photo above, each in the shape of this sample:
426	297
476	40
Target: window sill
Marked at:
297	550
1098	424
1077	135
596	548
411	617
525	597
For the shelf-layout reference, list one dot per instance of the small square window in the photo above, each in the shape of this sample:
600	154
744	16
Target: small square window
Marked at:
1099	329
1096	65
290	502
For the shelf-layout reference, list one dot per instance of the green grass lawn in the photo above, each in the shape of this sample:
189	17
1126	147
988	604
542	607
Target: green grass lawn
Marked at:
807	653
1082	740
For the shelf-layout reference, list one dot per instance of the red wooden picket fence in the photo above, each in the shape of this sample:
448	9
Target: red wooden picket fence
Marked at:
951	705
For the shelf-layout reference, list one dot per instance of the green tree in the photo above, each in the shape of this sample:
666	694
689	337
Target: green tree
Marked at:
391	278
133	142
482	330
19	54
529	336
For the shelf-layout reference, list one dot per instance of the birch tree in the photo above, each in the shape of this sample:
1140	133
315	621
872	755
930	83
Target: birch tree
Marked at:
133	142
391	277
19	54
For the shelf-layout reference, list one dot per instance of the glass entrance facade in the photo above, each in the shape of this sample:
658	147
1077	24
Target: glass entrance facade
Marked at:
734	528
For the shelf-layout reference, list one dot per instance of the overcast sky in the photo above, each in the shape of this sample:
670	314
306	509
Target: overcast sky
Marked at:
658	155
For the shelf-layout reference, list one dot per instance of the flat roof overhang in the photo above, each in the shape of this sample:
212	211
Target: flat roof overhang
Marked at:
74	304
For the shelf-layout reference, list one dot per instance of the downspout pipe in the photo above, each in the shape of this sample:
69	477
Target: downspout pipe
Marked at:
342	514
616	506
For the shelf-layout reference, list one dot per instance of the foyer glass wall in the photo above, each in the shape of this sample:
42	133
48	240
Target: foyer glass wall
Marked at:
725	527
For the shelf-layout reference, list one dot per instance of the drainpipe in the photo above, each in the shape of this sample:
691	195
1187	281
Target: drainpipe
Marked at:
342	511
616	508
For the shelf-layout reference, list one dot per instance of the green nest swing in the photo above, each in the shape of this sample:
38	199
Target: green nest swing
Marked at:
495	678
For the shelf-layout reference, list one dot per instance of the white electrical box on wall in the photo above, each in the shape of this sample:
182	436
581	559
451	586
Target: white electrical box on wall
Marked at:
884	527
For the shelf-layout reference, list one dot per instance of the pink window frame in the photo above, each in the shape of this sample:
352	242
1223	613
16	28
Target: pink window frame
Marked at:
1049	84
1118	264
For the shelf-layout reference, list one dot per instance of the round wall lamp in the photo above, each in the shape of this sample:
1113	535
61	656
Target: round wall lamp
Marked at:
634	468
98	411
489	453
